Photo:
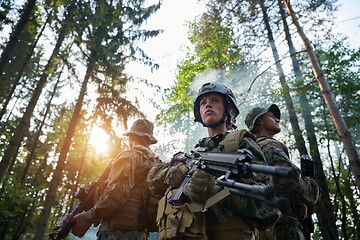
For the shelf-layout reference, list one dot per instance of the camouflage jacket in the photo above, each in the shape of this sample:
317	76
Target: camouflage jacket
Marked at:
299	190
122	204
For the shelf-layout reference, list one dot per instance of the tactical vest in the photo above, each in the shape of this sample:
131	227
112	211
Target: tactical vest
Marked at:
138	212
192	221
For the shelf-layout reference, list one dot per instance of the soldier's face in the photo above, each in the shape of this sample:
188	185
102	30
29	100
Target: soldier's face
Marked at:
212	108
270	123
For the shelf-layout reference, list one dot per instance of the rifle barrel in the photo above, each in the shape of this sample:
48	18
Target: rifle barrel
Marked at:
273	170
267	192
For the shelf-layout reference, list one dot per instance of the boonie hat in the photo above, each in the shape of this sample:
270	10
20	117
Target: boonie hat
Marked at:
143	128
257	112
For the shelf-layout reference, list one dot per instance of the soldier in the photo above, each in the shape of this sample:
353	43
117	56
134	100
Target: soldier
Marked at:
227	216
122	206
301	191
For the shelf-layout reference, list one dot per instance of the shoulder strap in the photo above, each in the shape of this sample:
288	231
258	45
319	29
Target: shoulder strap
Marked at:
232	141
147	153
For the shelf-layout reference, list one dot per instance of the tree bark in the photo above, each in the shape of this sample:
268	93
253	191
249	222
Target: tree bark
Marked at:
327	219
340	124
14	37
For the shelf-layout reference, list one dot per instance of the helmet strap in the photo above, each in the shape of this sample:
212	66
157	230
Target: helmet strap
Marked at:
215	125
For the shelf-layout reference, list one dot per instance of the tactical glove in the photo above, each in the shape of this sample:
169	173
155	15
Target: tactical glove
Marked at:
175	175
200	187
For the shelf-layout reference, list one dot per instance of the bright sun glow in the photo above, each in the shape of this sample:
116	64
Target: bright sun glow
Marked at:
99	139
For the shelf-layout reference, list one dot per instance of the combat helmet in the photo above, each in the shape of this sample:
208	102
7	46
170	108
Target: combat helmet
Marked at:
256	112
231	110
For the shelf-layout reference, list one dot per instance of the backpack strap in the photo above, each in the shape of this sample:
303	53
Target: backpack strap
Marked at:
261	138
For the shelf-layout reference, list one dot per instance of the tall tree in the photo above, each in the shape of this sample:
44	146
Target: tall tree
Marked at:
340	124
23	64
326	218
212	57
14	37
339	65
299	140
106	42
31	154
24	124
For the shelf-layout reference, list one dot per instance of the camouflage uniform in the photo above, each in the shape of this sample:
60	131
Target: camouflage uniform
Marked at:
301	191
122	205
232	218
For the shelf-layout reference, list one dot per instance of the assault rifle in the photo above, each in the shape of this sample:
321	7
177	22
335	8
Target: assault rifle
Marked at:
307	170
87	199
230	169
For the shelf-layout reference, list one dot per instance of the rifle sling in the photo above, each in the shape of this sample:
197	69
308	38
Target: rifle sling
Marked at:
199	207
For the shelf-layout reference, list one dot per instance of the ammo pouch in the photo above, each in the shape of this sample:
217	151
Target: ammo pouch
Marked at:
186	221
175	223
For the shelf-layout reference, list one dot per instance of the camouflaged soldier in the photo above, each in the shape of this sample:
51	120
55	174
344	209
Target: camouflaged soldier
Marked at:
301	191
225	216
123	207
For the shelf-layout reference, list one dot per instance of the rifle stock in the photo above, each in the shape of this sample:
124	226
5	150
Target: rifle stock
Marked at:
87	199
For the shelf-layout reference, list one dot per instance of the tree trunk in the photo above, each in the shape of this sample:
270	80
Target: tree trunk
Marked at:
38	133
327	219
19	75
56	180
353	206
80	170
27	217
340	124
6	178
24	124
14	37
300	143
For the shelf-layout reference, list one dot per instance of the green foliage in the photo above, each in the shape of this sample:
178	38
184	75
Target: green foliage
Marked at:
345	201
340	65
5	9
213	50
18	56
14	200
213	57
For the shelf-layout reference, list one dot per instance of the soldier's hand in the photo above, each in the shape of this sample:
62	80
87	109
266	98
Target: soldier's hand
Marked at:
176	174
83	222
200	187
